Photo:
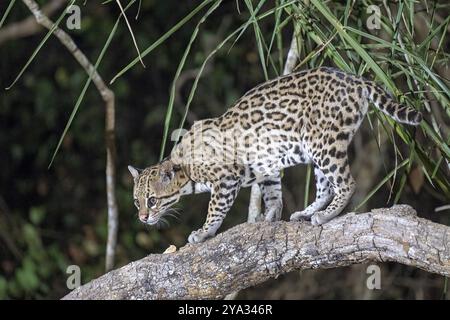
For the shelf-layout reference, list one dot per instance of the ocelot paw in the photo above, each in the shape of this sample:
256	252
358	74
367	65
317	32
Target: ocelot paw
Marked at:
272	215
301	215
199	236
319	218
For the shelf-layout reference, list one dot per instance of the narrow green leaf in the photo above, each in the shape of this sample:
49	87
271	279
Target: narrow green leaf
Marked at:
252	17
163	38
433	33
259	39
307	185
218	47
405	175
177	74
86	85
131	32
356	46
8	9
276	31
41	44
381	183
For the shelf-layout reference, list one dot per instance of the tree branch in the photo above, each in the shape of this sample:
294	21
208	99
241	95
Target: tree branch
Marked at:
28	26
109	99
252	253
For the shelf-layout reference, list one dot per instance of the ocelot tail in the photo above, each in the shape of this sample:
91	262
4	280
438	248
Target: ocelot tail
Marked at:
304	117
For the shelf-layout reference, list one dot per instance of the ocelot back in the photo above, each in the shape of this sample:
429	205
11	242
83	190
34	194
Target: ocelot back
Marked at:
305	117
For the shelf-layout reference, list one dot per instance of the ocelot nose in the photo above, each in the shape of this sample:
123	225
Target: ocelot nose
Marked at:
143	216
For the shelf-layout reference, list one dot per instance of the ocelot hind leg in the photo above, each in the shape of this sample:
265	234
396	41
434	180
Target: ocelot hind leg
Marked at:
324	194
272	196
336	169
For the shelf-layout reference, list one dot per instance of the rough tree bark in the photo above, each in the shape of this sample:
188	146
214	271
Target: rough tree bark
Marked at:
252	253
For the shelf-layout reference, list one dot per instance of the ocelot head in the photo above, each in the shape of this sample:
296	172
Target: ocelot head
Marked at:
156	189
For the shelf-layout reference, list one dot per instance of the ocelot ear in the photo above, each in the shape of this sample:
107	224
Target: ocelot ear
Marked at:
134	171
167	171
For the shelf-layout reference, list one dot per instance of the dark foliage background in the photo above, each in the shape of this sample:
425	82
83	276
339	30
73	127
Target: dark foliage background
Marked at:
52	218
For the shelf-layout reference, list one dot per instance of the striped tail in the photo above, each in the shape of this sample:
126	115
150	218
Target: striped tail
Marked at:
384	102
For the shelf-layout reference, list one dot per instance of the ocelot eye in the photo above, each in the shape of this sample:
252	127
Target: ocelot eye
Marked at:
151	202
136	203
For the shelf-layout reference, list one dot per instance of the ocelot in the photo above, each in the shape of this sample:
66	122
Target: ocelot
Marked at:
304	117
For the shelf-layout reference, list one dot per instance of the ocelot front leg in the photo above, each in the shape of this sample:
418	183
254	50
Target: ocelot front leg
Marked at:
324	194
223	194
272	196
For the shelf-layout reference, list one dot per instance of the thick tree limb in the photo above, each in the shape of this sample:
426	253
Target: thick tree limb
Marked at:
109	99
252	253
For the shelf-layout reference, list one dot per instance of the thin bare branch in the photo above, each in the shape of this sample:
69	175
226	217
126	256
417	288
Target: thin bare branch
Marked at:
292	56
109	99
28	26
